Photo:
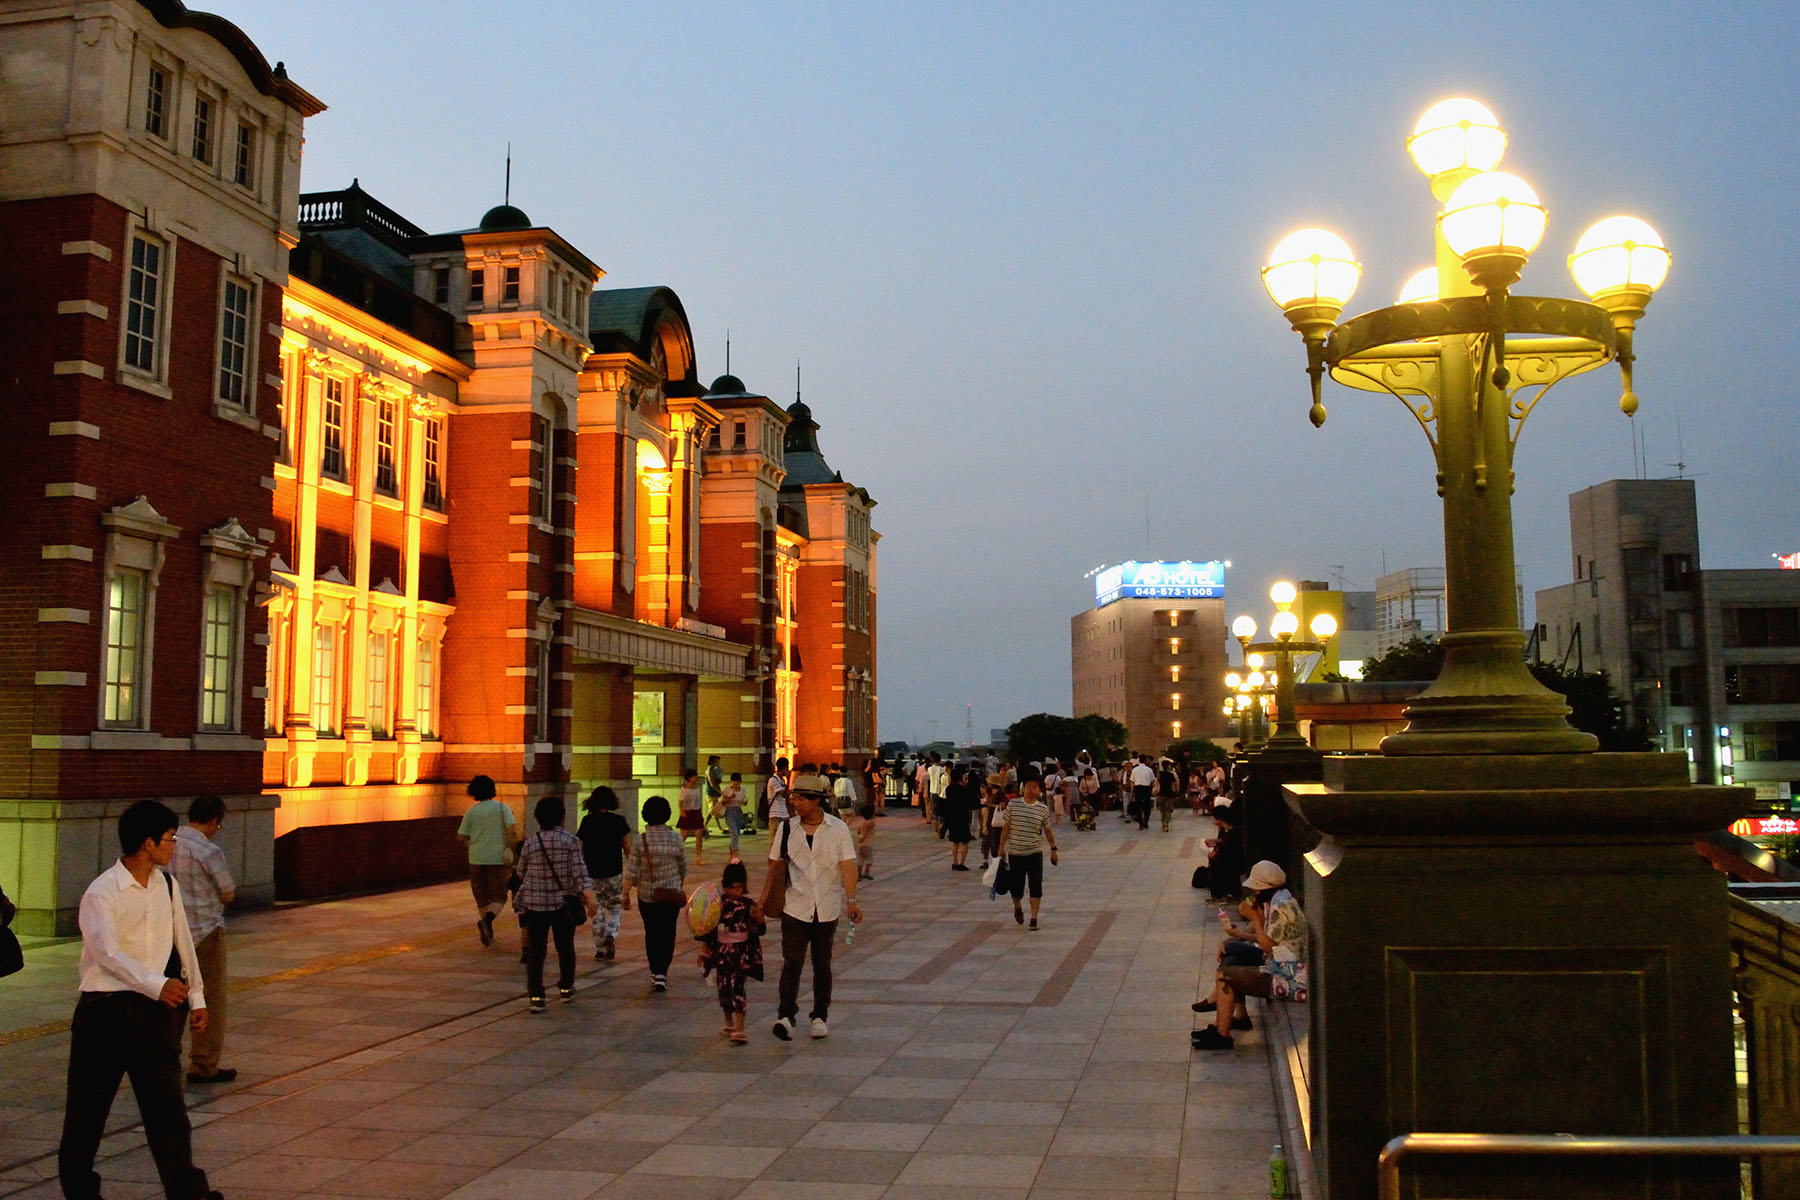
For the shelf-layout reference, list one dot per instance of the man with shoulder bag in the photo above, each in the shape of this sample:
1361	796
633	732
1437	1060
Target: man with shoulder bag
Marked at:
813	855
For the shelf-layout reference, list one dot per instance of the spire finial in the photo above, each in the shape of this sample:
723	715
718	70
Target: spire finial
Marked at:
796	381
507	198
728	351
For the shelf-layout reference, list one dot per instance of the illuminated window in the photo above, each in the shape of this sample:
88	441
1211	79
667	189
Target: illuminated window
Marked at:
143	303
378	685
218	659
386	443
509	293
324	697
434	462
1175	728
477	287
234	344
156	102
203	129
331	447
243	160
1174	674
425	690
1175	700
1174	645
123	674
291	375
1174	618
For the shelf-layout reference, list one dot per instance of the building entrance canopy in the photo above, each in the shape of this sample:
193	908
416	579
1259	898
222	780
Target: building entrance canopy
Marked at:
603	638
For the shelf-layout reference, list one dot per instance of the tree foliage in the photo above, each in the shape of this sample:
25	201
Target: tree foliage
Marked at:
1594	707
1046	735
1198	750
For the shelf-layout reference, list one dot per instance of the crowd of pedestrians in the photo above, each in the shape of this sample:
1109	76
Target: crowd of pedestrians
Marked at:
153	961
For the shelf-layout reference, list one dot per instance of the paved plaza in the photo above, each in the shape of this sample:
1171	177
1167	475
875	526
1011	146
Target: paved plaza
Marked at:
384	1053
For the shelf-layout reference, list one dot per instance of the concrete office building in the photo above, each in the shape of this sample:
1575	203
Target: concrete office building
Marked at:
1708	661
1150	654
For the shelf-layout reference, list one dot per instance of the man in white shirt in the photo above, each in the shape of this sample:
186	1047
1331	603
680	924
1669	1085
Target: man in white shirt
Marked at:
1143	783
206	888
822	870
139	975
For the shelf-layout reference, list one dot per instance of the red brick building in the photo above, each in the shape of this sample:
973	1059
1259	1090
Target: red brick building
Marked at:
147	197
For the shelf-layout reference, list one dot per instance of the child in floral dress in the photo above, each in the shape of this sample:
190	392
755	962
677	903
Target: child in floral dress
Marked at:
734	949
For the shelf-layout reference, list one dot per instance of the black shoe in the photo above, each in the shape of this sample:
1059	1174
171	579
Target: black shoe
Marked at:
1208	1038
960	867
567	994
659	983
1240	1022
1033	925
1018	915
484	929
1204	1006
535	1004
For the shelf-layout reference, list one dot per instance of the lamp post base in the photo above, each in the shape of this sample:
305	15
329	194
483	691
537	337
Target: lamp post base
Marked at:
1517	944
1486	701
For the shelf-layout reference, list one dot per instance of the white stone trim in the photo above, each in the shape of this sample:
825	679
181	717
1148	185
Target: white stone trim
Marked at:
75	553
99	251
74	429
64	616
60	679
62	491
82	308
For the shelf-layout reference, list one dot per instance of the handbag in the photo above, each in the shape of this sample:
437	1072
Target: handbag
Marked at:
1002	879
774	890
573	908
661	895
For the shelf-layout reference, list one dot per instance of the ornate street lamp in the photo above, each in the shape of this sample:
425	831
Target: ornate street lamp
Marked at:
1470	361
1283	626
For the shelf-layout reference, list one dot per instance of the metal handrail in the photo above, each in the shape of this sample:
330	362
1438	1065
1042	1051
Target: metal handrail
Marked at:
1570	1145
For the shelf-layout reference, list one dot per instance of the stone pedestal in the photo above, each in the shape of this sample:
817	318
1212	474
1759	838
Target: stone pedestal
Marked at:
1271	829
1517	944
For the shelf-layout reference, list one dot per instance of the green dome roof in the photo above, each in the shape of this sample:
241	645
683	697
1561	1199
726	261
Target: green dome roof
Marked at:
503	217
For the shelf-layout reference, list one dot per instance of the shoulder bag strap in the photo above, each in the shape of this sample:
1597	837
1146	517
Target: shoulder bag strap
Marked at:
555	875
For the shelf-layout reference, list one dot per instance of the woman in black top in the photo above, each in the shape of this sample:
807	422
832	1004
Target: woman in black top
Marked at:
605	839
960	800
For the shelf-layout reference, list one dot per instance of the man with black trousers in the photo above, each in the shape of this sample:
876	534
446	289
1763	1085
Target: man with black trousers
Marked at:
822	877
139	979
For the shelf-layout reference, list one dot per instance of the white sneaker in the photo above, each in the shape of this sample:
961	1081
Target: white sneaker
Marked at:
818	1028
784	1028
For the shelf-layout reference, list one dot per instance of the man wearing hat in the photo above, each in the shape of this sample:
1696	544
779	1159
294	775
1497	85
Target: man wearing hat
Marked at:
822	877
1270	961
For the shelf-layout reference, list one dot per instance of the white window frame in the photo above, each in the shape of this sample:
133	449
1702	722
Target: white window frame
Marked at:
136	543
428	666
326	445
244	372
541	731
156	100
433	467
154	309
227	570
547	471
243	154
381	683
323	707
387	442
124	670
203	128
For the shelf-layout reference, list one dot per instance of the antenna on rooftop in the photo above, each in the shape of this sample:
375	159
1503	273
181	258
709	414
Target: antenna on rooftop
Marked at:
507	197
728	351
796	381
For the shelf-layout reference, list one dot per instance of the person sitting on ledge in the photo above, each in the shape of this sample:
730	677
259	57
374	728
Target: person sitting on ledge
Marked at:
1269	962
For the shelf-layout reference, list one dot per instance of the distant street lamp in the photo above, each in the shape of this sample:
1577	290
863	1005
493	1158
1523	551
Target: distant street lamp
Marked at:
1284	625
1461	353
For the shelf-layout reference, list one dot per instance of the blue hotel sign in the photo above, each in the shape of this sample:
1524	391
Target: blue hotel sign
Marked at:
1160	581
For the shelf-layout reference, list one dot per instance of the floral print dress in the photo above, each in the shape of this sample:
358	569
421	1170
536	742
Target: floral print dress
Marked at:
734	951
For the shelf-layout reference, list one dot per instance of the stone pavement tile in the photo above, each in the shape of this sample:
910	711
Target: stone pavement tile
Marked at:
1128	1090
1146	1072
1214	1177
360	1145
917	1191
521	1116
617	1124
839	1166
790	1086
271	1172
866	1135
778	1131
1108	1174
583	1154
667	1187
927	1046
1121	1114
1058	1090
509	1183
1042	1066
865	1108
1166	1142
463	1148
805	1060
703	1083
1223	1144
225	1142
804	1103
787	1189
709	1161
934	1068
299	1113
1005	1112
1033	1140
984	1171
391	1180
908	1088
407	1115
363	1092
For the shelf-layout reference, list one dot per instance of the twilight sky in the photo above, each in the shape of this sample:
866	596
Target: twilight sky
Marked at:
1015	249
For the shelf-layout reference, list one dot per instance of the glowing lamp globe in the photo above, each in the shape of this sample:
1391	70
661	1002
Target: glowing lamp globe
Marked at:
1233	679
1255	680
1284	625
1620	257
1324	626
1420	287
1493	222
1457	135
1311	276
1253	661
1244	628
1283	593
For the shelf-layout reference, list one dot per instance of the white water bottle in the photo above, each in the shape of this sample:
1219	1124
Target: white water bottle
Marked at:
850	936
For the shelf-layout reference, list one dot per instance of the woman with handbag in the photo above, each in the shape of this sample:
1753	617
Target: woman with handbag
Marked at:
658	871
554	896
